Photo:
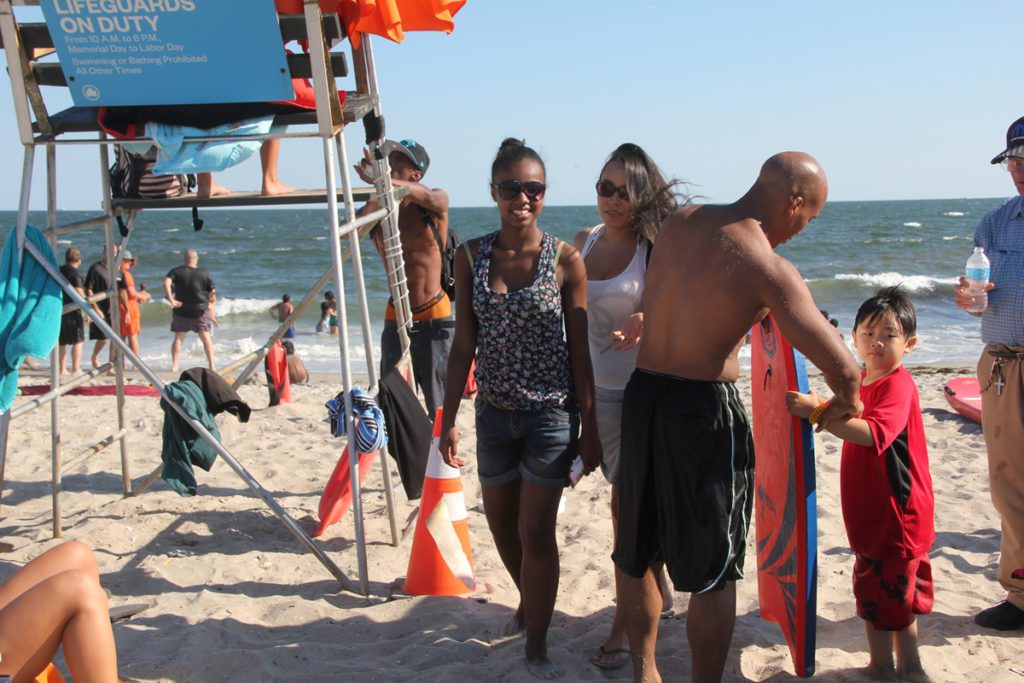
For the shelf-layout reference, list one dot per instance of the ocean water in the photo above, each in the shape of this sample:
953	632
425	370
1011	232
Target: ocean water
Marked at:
852	249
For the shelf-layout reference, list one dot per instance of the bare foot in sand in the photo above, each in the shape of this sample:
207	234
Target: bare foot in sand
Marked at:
914	673
515	625
272	188
208	187
875	672
543	668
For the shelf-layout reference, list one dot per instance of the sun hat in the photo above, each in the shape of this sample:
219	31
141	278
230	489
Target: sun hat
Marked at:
410	149
127	256
1014	141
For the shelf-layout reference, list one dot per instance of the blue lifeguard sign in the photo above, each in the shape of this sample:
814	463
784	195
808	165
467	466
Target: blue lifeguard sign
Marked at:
135	52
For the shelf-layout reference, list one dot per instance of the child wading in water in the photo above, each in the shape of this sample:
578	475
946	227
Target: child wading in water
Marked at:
886	488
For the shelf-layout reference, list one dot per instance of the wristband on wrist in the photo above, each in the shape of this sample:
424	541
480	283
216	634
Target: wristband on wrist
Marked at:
815	415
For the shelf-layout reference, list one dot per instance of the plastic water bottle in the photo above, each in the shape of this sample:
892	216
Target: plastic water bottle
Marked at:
977	277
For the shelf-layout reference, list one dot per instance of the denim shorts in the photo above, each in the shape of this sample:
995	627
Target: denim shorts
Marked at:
538	446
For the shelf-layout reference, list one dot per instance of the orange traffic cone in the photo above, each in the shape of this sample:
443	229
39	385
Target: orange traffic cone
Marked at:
440	563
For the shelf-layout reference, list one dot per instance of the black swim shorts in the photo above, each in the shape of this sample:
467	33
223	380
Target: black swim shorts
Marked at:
95	333
72	329
687	480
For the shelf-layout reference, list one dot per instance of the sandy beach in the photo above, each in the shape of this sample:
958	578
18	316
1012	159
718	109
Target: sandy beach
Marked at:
234	597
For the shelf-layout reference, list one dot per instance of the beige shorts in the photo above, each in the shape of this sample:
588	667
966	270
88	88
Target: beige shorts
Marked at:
608	406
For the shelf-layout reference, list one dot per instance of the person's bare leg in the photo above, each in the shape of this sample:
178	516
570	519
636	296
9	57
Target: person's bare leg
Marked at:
179	337
100	343
501	507
908	659
55	600
641	603
709	623
617	641
207	339
880	668
62	353
664	588
133	344
538	510
269	153
70	555
208	187
76	358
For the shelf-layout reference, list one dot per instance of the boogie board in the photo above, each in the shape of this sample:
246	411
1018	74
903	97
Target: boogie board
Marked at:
964	396
785	499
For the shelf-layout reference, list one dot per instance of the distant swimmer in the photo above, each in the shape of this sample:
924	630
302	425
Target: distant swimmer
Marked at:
712	276
283	310
422	212
324	324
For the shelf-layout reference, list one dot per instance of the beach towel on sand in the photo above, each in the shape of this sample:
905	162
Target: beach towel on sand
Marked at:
30	310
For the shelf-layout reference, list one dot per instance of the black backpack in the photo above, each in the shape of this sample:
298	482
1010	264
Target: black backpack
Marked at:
448	251
131	177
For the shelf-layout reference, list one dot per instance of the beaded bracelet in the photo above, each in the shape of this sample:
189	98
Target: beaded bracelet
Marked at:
815	415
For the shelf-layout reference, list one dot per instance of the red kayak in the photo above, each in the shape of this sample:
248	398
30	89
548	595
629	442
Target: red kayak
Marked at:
964	396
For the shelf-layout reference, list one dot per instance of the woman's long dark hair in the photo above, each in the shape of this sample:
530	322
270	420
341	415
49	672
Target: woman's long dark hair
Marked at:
651	196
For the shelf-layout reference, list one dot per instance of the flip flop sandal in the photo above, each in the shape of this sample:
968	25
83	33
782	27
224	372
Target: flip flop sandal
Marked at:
610	660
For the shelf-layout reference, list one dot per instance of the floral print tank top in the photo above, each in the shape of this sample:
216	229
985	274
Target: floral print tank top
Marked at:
522	358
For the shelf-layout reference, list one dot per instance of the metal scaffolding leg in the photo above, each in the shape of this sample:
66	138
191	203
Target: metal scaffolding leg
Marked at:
55	435
371	366
200	430
346	367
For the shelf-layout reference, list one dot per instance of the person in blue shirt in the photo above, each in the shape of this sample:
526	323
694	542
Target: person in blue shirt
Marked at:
1001	377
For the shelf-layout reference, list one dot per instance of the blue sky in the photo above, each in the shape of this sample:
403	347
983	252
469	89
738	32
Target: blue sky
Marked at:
898	100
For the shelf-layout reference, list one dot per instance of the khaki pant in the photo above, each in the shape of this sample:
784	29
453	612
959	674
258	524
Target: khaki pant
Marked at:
1002	419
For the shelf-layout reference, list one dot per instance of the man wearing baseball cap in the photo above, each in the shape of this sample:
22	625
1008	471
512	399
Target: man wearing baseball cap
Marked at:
423	228
1001	376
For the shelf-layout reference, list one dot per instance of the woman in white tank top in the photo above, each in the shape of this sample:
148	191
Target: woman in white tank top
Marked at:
632	199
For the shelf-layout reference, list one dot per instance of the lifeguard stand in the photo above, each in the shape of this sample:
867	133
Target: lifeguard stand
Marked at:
252	54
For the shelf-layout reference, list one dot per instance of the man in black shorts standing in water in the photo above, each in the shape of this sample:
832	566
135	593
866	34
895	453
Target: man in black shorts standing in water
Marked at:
687	452
190	291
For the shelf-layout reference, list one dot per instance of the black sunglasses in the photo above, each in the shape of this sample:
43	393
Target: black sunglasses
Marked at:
510	189
606	189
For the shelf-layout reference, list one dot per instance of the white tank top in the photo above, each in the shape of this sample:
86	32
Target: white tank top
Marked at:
609	303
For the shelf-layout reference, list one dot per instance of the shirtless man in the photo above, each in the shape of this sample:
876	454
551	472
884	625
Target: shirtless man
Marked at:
430	338
687	451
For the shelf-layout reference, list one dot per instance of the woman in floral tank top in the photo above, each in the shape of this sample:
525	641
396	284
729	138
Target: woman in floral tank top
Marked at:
522	310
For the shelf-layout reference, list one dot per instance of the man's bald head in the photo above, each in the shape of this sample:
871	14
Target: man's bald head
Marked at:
796	174
191	257
789	192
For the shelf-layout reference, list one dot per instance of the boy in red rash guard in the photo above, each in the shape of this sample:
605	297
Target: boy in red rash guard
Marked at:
887	499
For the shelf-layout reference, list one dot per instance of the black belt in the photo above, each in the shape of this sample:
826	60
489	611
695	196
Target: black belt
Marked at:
1006	354
421	325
